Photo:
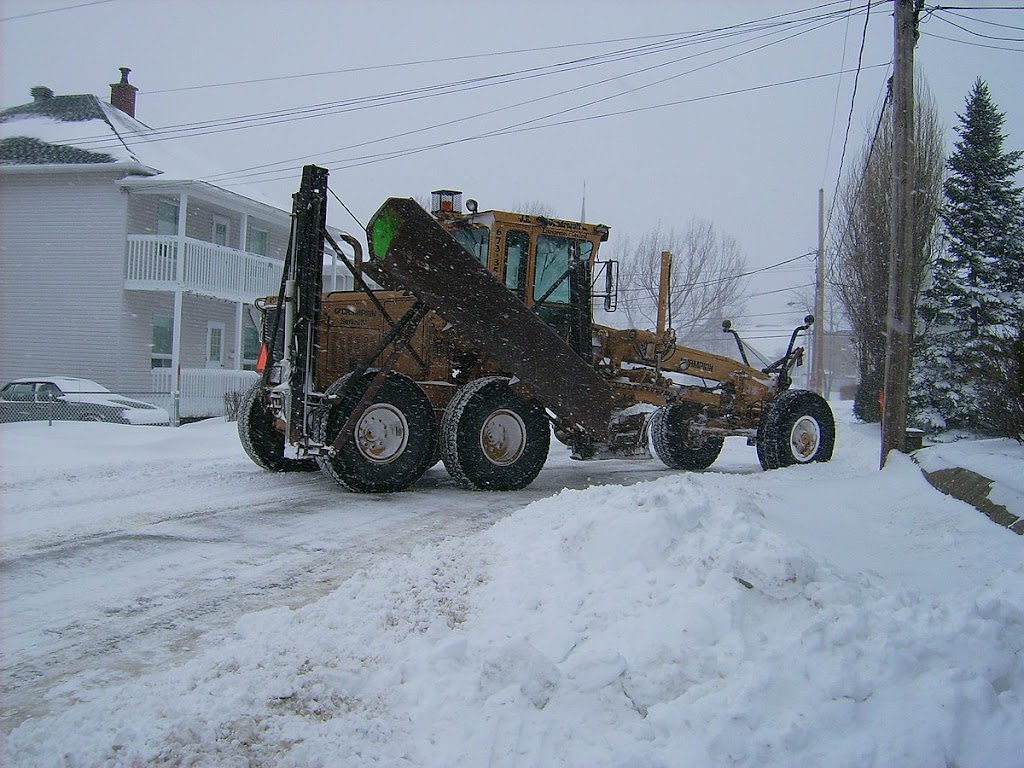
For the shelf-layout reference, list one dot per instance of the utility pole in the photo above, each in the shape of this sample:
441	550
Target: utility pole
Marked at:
818	356
899	323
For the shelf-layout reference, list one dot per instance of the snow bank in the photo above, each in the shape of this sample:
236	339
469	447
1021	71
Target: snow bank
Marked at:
663	624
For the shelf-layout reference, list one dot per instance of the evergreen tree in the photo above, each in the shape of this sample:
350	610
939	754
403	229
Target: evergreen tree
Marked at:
974	303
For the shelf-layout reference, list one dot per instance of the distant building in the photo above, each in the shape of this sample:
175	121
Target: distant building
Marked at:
118	263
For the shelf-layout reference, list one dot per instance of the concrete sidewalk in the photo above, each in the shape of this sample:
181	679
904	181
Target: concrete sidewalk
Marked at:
987	474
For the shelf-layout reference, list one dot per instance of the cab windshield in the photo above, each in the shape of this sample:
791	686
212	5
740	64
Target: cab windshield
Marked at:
552	274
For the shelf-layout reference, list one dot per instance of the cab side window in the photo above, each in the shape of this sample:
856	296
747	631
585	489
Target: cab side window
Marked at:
517	248
475	241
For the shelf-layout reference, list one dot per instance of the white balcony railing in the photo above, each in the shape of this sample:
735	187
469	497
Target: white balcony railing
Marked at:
207	269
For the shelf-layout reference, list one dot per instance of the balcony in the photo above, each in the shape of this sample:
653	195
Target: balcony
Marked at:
206	269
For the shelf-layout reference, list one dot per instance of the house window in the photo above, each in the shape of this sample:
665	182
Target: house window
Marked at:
250	341
163	333
215	345
166	218
221	230
259	240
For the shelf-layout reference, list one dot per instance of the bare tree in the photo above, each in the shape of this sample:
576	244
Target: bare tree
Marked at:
706	283
535	208
860	236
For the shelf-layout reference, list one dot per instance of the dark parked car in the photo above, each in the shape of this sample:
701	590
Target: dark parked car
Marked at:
70	398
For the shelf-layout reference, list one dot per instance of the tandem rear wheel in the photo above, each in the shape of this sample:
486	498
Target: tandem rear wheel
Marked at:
491	438
393	440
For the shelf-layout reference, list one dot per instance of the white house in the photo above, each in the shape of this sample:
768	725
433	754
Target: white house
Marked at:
118	263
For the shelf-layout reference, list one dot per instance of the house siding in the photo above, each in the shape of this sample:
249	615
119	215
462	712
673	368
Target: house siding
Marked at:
63	230
197	311
142	218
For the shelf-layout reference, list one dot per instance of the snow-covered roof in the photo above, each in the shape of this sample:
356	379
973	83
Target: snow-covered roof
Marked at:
83	130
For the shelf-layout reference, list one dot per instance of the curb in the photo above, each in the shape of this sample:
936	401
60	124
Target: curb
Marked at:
972	488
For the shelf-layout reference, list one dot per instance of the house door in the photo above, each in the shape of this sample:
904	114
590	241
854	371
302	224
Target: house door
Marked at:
215	345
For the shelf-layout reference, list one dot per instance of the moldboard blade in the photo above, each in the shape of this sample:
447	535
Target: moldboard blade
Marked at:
411	247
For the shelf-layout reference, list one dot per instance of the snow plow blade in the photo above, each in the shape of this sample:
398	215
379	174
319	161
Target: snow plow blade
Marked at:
408	245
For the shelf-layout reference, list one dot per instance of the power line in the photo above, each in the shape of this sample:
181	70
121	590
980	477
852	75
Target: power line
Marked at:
835	104
849	117
962	28
240	173
274	117
489	54
395	154
55	10
974	44
982	21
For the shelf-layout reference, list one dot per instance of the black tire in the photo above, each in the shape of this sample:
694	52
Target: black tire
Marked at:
264	444
675	446
393	442
797	427
492	439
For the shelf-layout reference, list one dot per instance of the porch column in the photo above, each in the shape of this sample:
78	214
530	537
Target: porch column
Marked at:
243	246
179	279
239	309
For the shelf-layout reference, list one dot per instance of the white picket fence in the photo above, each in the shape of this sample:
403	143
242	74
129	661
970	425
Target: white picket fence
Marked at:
202	390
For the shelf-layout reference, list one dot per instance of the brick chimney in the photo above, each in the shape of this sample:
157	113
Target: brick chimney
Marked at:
122	94
41	93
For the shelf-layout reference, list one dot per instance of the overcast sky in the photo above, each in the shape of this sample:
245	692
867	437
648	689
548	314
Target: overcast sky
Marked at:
684	124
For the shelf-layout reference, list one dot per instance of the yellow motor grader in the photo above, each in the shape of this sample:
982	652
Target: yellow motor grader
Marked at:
469	337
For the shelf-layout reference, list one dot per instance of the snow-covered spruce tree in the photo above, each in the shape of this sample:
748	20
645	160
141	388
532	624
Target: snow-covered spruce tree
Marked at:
971	311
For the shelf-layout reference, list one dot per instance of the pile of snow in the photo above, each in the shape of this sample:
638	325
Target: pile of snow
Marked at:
825	615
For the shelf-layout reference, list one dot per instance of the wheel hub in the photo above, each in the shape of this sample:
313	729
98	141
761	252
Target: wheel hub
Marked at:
804	439
381	433
503	437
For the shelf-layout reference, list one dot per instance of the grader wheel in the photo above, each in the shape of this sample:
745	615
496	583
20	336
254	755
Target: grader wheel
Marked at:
797	427
492	439
393	440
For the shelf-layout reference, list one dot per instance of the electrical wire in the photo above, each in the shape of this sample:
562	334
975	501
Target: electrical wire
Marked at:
849	117
401	153
337	107
244	172
962	28
488	54
55	10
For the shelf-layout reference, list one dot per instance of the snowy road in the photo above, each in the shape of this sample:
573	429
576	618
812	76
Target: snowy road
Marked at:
167	603
125	571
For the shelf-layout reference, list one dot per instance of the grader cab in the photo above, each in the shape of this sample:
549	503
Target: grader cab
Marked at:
470	337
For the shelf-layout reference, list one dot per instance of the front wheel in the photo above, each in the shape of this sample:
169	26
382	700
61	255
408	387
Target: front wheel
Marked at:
260	440
492	439
392	442
675	446
797	427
